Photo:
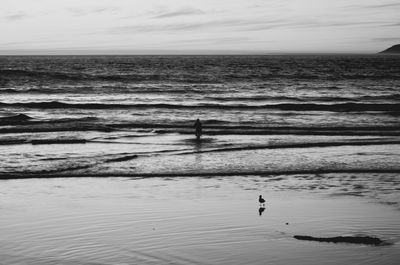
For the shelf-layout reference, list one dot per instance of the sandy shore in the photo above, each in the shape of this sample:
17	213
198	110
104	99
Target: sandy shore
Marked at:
187	221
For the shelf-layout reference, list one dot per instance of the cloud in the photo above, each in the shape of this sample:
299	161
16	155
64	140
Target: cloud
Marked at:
188	26
252	24
174	26
221	40
234	42
384	5
376	6
387	39
180	12
89	11
295	24
17	16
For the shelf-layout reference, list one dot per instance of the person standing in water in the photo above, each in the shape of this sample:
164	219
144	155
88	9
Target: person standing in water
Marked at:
199	128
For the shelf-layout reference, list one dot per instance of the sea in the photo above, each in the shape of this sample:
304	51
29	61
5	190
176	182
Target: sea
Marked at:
80	108
99	162
134	115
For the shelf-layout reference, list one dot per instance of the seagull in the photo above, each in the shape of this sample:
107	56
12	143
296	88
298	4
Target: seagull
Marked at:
261	200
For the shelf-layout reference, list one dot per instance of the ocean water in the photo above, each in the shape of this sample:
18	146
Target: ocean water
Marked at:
116	115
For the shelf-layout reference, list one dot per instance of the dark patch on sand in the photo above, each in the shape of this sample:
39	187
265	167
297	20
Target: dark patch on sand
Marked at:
365	240
58	141
122	159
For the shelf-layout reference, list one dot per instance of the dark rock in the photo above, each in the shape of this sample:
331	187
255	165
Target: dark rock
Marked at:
365	240
395	49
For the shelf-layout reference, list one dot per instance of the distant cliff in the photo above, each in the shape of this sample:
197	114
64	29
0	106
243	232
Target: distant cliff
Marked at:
395	49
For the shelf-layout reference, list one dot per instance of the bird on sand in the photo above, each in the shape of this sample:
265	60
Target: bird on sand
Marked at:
261	200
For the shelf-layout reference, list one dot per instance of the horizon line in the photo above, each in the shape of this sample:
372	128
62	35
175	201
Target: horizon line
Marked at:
122	52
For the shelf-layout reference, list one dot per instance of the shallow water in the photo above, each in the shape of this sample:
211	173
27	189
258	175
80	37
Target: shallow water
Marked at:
186	221
178	155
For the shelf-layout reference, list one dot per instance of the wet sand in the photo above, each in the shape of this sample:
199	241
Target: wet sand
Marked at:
190	221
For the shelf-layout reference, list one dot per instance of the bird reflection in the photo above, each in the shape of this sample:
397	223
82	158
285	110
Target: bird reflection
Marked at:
261	210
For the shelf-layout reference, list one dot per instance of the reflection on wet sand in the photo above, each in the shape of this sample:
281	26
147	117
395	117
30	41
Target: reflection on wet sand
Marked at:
261	210
184	220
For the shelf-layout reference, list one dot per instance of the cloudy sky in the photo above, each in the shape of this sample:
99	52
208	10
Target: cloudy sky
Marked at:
136	26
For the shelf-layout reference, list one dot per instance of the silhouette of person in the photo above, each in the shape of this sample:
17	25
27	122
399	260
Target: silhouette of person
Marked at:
199	128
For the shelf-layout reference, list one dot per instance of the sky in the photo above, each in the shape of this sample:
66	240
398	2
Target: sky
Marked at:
198	26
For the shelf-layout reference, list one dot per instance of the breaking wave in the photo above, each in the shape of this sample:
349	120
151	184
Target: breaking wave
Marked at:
340	107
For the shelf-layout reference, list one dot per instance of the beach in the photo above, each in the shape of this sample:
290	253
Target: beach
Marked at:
188	221
99	163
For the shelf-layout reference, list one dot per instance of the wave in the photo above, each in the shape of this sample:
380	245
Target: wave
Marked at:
10	91
252	98
237	130
381	97
23	119
17	73
296	145
51	174
212	124
12	141
88	119
217	127
121	90
211	127
340	107
66	90
66	128
120	77
74	76
305	98
42	141
180	152
15	119
183	77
